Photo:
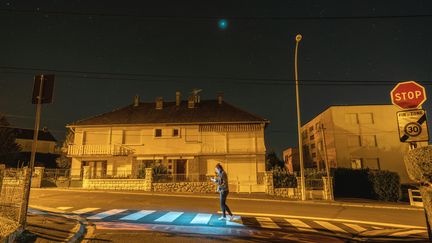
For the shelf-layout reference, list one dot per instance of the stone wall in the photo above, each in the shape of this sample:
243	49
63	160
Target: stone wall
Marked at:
116	184
268	182
286	192
202	187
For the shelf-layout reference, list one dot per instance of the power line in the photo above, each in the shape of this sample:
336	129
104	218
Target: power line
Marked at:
202	17
140	77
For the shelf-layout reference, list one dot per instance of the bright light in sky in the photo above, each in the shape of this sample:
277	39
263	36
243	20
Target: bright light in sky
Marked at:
223	24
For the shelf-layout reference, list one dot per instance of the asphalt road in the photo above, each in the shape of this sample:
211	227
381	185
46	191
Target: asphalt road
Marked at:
265	220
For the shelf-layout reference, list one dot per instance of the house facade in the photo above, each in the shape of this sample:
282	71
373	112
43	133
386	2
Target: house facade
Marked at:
359	136
187	138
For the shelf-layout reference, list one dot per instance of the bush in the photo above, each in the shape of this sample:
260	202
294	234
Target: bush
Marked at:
386	185
365	183
283	179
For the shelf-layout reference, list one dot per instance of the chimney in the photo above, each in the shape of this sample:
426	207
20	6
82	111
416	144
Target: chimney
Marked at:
219	98
159	103
191	102
178	98
136	101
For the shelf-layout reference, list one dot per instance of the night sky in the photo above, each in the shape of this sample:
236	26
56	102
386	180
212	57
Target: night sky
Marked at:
105	52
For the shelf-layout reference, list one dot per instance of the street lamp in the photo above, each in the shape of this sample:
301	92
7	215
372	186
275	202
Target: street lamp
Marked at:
302	176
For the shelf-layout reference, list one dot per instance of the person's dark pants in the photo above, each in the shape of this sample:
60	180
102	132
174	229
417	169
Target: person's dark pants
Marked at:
224	207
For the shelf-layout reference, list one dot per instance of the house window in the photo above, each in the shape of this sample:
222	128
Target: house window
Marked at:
158	133
369	141
354	141
175	132
371	163
313	146
356	163
313	155
366	118
351	118
311	129
312	137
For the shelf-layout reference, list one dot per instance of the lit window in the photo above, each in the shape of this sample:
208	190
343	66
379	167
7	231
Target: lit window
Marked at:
158	133
175	133
356	163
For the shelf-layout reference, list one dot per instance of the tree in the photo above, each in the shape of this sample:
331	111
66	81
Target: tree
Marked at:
273	161
8	147
63	161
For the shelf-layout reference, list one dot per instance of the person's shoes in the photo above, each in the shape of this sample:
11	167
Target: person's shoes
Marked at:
231	217
222	218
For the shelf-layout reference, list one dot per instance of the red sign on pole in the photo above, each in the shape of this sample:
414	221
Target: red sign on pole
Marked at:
408	95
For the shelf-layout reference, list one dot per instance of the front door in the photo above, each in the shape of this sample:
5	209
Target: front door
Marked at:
181	166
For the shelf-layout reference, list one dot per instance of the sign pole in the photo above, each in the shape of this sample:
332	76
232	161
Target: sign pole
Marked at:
34	144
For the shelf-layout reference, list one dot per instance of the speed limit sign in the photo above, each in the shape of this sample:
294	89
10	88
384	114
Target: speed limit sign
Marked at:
412	126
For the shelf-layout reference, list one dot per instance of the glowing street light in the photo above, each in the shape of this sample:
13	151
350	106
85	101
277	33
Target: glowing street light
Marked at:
223	24
302	176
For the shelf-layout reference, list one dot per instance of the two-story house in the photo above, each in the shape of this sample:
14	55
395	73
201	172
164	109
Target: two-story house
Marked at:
186	137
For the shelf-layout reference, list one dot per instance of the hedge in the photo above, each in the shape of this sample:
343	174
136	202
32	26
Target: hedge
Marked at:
283	179
364	183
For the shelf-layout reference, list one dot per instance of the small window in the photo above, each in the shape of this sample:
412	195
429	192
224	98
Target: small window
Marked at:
312	137
366	118
313	146
354	141
351	118
356	163
158	133
313	155
311	129
175	133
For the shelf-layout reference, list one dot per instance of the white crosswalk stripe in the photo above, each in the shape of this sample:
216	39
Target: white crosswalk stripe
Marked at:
106	214
237	221
355	227
201	218
267	223
84	210
330	226
300	225
169	217
138	215
409	232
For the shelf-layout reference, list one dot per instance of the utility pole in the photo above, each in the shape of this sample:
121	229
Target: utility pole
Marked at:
302	176
327	163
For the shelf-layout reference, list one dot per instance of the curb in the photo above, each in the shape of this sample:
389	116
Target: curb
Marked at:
192	195
78	234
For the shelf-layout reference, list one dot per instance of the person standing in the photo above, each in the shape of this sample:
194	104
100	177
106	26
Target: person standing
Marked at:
222	187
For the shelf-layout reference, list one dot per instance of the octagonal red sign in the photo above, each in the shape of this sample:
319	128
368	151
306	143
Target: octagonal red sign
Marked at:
408	95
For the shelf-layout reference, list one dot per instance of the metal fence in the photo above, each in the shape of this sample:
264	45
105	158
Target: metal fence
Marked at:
170	178
13	187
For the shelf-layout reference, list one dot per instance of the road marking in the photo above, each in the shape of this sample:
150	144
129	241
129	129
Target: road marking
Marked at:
237	221
300	225
355	227
63	208
409	232
106	213
201	218
169	217
266	222
330	226
138	215
330	219
84	210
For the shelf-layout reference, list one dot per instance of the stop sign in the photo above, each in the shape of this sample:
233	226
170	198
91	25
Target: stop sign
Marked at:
408	95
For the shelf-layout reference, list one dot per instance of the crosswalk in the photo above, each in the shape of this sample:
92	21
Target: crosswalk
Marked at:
148	216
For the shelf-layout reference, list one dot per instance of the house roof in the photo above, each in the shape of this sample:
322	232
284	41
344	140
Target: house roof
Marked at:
206	111
24	133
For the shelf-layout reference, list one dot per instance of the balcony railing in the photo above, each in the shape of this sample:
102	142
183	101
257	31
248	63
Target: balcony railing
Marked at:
98	149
